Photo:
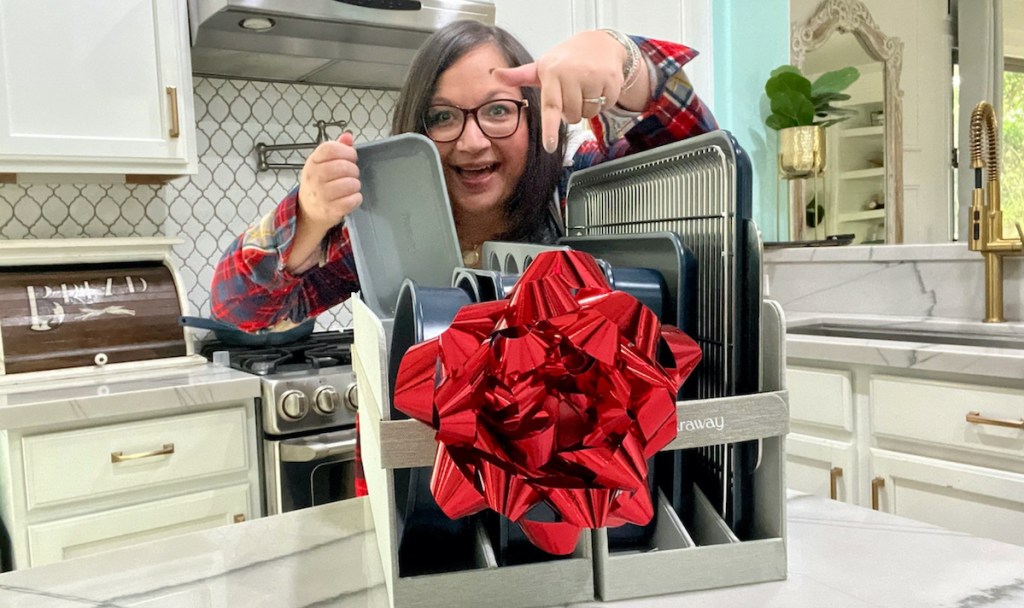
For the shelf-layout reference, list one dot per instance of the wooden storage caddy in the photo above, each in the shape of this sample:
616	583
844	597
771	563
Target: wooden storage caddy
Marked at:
676	566
388	445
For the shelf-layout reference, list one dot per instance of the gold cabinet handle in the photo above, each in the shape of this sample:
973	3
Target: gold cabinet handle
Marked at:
172	104
977	418
116	457
876	486
239	518
833	482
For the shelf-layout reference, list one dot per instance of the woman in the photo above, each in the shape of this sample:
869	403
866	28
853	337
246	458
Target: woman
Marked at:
496	117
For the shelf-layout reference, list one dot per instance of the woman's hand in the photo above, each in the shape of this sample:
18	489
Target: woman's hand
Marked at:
329	189
573	76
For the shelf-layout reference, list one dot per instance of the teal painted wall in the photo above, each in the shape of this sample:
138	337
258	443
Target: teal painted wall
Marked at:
751	38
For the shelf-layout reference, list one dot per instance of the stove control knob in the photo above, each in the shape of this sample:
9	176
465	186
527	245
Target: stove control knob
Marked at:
293	405
352	397
326	400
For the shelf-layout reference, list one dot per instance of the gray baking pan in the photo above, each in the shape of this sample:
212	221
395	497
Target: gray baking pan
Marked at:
699	188
511	258
404	228
659	251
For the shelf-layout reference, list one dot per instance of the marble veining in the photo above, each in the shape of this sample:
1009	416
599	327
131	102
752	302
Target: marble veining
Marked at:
168	391
909	354
907	287
839	556
319	559
907	280
999	593
873	253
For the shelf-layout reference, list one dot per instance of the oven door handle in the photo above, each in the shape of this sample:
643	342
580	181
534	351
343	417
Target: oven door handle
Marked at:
308	449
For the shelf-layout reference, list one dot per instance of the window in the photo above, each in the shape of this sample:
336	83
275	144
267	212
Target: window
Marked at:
1012	171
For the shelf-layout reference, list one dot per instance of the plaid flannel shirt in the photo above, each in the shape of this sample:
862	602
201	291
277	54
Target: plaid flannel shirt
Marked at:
252	291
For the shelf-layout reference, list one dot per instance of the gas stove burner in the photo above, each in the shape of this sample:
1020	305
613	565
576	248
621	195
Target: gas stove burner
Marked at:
277	363
317	351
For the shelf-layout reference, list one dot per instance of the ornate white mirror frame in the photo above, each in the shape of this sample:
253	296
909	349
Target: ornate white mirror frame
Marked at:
851	16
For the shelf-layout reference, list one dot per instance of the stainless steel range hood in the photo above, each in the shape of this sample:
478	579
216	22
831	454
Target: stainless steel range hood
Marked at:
360	43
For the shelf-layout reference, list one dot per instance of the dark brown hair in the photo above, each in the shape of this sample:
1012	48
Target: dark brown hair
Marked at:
528	210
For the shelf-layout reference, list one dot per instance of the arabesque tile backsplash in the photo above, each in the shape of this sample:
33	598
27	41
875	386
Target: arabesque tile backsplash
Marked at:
210	208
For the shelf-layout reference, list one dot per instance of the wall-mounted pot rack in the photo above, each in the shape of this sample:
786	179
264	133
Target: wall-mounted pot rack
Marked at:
263	150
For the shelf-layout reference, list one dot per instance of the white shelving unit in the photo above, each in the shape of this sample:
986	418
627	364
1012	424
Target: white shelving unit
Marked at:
856	150
862	216
874	131
863	173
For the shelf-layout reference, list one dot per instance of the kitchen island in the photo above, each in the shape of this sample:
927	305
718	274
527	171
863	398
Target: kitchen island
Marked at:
839	556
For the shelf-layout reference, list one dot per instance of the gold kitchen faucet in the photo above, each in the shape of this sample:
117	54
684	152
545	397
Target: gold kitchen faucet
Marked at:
986	219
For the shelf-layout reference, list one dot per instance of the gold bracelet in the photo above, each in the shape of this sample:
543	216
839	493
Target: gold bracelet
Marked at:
631	67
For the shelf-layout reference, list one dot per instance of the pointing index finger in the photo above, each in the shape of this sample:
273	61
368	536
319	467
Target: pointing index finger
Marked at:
522	76
550	111
527	75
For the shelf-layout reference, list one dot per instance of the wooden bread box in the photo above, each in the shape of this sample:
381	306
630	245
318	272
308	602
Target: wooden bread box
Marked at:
86	303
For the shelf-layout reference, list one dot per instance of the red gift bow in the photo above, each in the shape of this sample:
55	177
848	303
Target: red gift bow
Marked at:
553	395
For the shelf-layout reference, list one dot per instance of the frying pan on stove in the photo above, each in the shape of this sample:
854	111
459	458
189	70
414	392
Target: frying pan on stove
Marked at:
232	336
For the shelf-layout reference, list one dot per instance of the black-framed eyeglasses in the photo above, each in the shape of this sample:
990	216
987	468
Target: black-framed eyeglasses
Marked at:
497	119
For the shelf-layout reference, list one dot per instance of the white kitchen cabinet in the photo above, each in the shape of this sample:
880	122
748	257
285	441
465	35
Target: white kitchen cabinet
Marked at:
820	451
71	492
944	452
95	89
946	459
64	467
538	35
979	500
88	534
822	467
542	24
821	399
911	414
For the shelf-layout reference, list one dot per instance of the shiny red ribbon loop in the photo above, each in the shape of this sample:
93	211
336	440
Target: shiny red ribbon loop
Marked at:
553	395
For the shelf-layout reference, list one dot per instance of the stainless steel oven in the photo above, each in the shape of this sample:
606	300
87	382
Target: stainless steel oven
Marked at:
306	417
309	470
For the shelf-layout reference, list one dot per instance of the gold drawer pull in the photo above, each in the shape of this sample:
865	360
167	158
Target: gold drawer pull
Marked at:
833	482
172	104
116	457
876	486
977	418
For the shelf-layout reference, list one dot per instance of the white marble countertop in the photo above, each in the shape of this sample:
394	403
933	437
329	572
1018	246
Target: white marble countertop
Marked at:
839	556
111	395
873	253
909	353
941	282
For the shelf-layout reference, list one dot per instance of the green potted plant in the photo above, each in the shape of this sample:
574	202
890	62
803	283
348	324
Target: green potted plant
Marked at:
800	112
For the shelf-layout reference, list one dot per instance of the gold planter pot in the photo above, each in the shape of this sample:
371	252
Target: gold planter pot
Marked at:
801	152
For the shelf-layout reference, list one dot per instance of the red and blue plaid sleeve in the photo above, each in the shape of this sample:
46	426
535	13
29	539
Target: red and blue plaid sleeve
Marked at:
251	288
252	291
674	113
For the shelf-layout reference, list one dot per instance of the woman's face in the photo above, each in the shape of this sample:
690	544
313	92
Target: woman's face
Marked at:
481	173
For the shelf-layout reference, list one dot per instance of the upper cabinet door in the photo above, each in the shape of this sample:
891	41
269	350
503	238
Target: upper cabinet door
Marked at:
539	35
688	22
96	88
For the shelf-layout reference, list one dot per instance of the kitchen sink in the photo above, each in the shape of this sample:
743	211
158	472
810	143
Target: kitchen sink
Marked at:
929	336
